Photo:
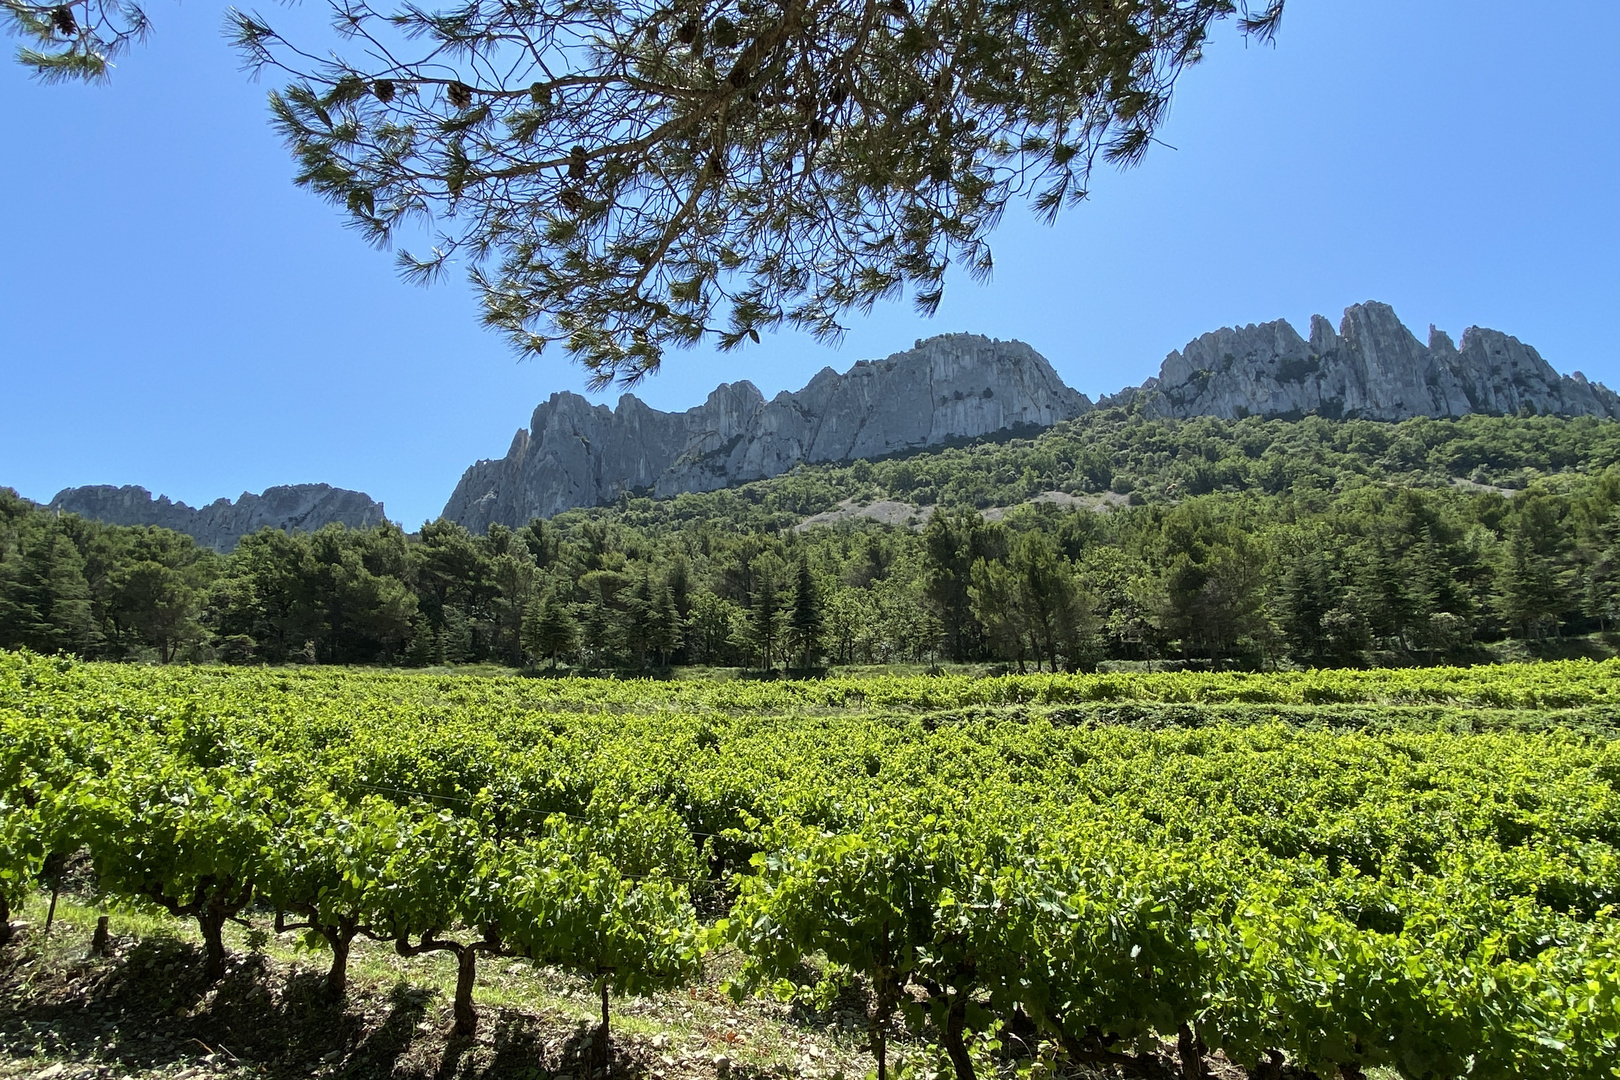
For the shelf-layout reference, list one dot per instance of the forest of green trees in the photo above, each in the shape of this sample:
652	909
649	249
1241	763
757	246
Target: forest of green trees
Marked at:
1243	543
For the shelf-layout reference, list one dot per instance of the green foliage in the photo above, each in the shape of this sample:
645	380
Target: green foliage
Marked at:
1248	544
189	840
549	630
606	897
76	39
623	178
1427	885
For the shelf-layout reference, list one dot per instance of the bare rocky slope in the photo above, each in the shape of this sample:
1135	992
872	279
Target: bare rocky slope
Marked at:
1373	368
957	386
220	524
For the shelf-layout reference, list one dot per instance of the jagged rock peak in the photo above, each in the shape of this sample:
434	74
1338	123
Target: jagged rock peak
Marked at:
220	524
1373	368
950	387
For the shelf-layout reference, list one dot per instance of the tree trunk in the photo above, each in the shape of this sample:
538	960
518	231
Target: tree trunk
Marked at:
466	973
212	921
1192	1062
55	864
5	922
337	977
955	1018
604	1047
880	1013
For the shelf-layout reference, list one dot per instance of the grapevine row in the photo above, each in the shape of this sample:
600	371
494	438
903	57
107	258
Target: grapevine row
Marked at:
1438	903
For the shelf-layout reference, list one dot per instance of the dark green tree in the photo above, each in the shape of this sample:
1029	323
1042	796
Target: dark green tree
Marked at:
269	594
765	620
664	624
45	601
1034	606
157	603
952	542
1310	590
1210	589
1537	576
549	630
804	620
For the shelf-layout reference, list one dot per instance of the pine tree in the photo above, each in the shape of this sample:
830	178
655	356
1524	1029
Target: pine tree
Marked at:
664	185
994	595
664	632
549	630
805	620
1532	587
54	611
765	621
640	634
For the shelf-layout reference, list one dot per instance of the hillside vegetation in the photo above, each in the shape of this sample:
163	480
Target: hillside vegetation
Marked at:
1245	543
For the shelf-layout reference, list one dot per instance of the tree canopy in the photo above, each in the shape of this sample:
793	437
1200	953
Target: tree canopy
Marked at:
622	176
1112	538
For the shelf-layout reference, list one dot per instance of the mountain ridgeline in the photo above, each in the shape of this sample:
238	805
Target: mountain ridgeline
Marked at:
1373	368
953	387
958	387
947	390
222	523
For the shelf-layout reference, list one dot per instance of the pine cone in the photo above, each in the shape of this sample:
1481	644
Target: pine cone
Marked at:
688	32
577	168
384	90
460	94
64	22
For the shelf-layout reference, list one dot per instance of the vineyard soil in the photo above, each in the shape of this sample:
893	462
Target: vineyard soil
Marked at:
66	1015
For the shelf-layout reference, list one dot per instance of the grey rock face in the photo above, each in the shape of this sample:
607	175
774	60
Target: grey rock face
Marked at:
220	524
1372	368
956	386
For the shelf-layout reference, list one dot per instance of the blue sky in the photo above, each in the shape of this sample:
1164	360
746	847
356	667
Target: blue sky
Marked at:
175	314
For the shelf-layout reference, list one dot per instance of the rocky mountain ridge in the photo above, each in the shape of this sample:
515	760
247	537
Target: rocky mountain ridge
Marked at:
952	387
1372	368
955	387
222	523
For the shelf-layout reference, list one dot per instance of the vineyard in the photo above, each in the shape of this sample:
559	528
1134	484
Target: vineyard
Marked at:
1293	874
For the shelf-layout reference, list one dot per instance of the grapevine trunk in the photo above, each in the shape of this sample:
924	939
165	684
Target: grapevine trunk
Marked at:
337	977
604	1048
211	919
466	974
1192	1062
955	1019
